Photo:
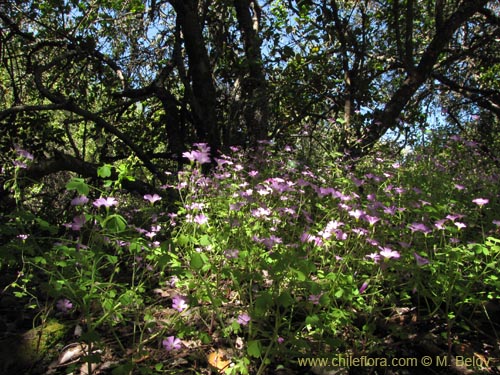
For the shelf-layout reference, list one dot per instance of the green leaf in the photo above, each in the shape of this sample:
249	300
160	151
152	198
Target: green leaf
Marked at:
205	240
299	274
197	261
78	184
115	223
158	367
113	259
285	299
104	171
183	240
262	303
312	320
254	348
40	260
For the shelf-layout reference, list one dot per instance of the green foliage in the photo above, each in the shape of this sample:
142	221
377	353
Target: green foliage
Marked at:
272	256
78	184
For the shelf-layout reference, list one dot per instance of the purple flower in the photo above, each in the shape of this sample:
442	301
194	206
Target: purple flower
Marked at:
496	222
152	198
64	305
271	241
439	224
19	164
179	303
171	343
360	231
173	280
202	156
24	153
280	340
261	212
419	227
314	298
200	219
460	225
243	319
78	222
340	235
454	217
371	219
106	202
356	213
388	253
421	261
79	201
480	201
363	287
390	210
323	192
372	241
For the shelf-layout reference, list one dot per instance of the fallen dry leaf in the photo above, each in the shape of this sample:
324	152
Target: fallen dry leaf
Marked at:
219	360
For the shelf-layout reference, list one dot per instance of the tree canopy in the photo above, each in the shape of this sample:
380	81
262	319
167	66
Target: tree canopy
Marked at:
90	82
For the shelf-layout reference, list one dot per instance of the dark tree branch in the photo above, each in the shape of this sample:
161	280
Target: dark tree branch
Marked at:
71	106
254	87
204	101
386	118
29	108
487	99
65	162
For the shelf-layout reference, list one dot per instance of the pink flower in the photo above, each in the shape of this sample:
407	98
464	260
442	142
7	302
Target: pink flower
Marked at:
19	164
371	219
314	298
152	198
79	201
243	319
460	225
419	227
271	241
64	305
363	287
179	303
439	224
202	156
24	153
421	261
173	280
390	210
200	219
356	213
78	222
106	202
388	253
454	217
171	343
480	201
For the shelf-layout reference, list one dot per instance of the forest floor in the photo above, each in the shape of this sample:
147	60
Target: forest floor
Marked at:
473	347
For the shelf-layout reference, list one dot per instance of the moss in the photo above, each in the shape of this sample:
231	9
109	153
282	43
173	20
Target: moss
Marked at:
24	351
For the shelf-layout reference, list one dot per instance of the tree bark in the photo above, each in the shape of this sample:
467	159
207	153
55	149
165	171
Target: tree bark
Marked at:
204	99
256	109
